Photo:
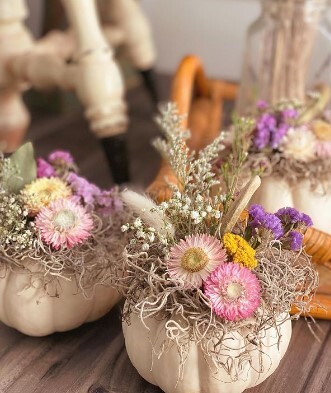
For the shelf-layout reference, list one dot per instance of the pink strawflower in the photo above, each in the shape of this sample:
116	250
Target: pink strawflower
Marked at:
60	157
323	149
234	291
192	259
64	223
44	169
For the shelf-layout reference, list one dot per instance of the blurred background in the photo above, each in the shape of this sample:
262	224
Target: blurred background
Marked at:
212	29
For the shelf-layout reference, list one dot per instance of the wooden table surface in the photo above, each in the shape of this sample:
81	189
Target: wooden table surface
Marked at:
92	358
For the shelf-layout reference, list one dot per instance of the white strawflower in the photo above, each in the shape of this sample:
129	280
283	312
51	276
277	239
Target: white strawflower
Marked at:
299	144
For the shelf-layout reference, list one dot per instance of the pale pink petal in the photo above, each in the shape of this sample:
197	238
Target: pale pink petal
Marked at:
212	248
230	308
64	236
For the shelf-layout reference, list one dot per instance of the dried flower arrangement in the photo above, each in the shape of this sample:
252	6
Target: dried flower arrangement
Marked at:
55	217
289	146
59	235
291	142
199	272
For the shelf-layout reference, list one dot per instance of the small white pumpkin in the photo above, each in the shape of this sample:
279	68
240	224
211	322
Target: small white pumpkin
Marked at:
275	193
198	376
25	306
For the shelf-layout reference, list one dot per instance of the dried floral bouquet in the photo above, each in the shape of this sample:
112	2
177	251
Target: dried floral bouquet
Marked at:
290	146
59	235
291	141
208	285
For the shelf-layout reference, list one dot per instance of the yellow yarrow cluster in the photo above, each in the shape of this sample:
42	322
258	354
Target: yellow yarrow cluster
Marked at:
239	250
42	192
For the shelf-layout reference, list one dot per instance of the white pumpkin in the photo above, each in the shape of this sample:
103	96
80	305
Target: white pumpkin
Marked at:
25	306
275	193
198	376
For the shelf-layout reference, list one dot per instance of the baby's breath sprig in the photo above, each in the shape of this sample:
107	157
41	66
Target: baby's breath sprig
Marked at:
187	208
15	229
173	148
231	169
145	236
195	174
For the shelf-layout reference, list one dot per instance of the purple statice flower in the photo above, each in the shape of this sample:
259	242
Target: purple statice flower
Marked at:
278	134
274	224
290	113
108	202
81	187
102	201
259	218
44	169
296	239
60	157
290	215
265	126
306	220
256	211
271	128
262	105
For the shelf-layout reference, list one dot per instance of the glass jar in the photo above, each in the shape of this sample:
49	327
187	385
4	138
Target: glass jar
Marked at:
288	52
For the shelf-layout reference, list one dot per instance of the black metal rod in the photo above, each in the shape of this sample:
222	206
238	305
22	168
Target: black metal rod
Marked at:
115	148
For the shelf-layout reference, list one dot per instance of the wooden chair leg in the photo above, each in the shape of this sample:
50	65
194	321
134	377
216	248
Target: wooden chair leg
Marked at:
14	120
15	39
99	84
128	17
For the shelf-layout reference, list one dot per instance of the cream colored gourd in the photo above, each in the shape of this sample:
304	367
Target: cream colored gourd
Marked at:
25	306
275	193
198	376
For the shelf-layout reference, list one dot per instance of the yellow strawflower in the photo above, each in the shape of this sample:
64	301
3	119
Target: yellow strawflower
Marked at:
42	192
239	250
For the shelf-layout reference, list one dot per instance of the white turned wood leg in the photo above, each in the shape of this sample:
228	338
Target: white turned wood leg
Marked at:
14	120
129	17
98	82
15	39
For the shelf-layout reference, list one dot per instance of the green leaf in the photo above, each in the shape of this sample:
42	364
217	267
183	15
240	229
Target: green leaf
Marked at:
23	160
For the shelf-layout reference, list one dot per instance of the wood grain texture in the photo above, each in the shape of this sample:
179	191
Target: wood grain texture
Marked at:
92	358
